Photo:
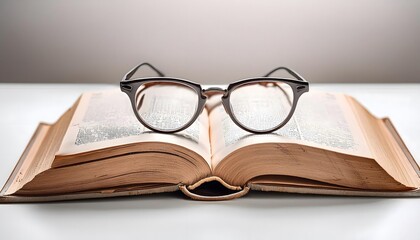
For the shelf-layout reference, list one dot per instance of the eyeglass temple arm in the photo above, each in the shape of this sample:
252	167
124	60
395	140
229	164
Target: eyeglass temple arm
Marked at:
290	71
134	70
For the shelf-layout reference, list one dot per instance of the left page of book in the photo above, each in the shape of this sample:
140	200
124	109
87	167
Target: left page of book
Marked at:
106	120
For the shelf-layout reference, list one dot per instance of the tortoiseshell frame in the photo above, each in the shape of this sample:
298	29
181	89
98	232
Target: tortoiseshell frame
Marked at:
130	87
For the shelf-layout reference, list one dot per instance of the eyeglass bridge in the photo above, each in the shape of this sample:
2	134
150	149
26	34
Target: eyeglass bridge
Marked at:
211	91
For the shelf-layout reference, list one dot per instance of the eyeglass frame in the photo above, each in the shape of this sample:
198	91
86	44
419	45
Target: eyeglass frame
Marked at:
130	86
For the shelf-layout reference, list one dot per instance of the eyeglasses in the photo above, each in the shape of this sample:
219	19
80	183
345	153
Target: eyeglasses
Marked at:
257	105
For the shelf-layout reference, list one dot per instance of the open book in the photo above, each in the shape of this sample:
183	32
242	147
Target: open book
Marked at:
332	145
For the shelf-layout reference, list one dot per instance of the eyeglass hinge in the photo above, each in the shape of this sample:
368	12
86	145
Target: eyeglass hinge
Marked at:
301	88
126	88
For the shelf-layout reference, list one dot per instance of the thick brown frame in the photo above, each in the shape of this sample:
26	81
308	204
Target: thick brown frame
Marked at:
130	86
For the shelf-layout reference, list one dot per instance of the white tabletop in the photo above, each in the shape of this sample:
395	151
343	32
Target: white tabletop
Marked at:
256	216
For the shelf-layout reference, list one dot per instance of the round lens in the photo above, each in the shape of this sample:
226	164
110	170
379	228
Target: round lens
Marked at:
166	106
262	106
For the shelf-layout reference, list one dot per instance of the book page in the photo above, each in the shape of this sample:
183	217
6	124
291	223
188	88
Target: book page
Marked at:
321	120
106	119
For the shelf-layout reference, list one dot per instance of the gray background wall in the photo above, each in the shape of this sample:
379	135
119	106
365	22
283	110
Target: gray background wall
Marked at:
210	41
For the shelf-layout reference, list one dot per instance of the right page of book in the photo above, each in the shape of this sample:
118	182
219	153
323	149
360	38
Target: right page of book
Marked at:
322	120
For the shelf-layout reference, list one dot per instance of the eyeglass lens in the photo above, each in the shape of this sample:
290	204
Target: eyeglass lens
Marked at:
166	106
262	106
